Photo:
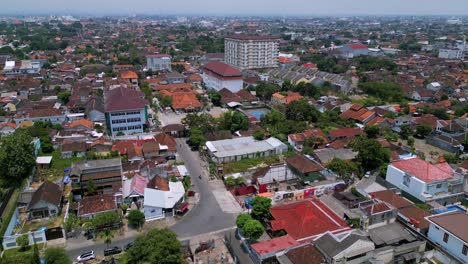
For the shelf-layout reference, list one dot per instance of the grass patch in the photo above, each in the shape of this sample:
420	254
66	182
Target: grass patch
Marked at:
15	252
60	164
9	211
245	164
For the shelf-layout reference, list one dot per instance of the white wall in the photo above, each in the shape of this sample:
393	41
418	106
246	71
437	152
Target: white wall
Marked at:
153	213
126	124
216	84
416	187
279	173
453	244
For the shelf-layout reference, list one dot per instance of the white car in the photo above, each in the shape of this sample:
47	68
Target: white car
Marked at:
86	256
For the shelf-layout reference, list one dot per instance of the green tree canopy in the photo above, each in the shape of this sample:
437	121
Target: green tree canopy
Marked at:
16	156
215	97
157	246
56	255
204	122
136	218
258	134
372	131
64	96
253	229
22	242
242	219
261	208
233	121
265	90
105	219
345	169
166	101
196	137
387	92
371	155
423	130
301	110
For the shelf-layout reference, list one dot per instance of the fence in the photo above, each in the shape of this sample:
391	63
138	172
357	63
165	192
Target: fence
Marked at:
6	197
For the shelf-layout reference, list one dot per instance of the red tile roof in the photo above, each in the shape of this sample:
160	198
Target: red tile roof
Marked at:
164	139
302	164
128	75
274	245
345	132
424	170
392	198
121	99
81	122
222	69
357	46
252	37
96	204
306	219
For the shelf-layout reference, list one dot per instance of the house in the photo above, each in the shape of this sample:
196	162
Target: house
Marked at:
72	148
352	50
161	197
274	173
376	213
353	248
106	175
150	149
158	62
46	201
7	128
167	144
131	76
306	220
423	95
134	188
126	110
359	113
270	248
94	109
449	231
344	133
175	130
307	169
90	206
278	98
79	125
231	150
425	181
325	155
298	139
218	75
22	67
174	77
434	86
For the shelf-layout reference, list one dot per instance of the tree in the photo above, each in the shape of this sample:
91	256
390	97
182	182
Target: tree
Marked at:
204	122
91	187
371	155
197	138
56	255
105	219
258	134
178	67
136	218
230	182
215	97
64	96
406	131
242	219
345	169
387	92
423	130
411	141
253	229
301	110
233	121
16	156
107	235
35	257
372	131
166	101
71	222
23	242
157	246
261	208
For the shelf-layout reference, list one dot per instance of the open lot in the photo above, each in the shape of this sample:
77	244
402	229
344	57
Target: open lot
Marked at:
170	117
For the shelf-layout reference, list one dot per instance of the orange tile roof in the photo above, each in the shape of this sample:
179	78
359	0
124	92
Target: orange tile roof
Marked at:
81	122
128	75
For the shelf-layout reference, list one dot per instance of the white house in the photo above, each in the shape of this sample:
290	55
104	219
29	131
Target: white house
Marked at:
218	75
434	86
162	198
449	230
158	62
420	178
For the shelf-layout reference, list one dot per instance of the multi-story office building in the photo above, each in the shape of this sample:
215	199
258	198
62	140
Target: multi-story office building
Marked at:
126	110
251	52
452	54
158	62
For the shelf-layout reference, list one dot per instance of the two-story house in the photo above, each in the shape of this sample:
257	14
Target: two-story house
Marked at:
425	181
105	174
126	110
449	232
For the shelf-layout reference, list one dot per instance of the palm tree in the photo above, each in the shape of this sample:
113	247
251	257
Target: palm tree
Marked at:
107	235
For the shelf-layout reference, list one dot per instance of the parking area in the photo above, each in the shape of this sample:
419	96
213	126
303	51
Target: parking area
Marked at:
226	201
170	117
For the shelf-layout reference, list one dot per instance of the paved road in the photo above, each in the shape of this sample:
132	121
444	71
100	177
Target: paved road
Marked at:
205	217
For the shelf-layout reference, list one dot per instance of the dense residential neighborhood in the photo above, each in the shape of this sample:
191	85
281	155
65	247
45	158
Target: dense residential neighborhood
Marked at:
211	139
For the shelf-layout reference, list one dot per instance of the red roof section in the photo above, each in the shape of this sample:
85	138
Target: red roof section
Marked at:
356	46
306	219
274	245
345	132
138	184
121	99
222	69
424	170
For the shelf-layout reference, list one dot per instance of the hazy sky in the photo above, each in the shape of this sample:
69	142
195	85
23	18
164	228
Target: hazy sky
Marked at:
281	7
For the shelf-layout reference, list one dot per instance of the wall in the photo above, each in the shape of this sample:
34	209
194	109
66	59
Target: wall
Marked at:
153	213
416	187
279	173
126	115
10	241
217	84
453	245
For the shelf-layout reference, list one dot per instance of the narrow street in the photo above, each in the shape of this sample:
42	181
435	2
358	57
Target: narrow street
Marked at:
206	217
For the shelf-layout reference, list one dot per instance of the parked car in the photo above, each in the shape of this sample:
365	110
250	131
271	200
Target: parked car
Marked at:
171	157
128	246
112	251
110	261
86	256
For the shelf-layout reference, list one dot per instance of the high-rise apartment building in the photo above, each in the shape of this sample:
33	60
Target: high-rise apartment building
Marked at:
251	52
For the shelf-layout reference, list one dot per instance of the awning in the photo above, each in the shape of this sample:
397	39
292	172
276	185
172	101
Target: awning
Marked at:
182	207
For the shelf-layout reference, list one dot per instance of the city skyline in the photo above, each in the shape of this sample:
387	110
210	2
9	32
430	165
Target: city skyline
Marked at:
240	7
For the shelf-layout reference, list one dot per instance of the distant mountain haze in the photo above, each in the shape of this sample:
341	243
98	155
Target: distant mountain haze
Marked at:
238	7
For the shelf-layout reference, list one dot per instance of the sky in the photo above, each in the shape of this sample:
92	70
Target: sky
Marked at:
237	7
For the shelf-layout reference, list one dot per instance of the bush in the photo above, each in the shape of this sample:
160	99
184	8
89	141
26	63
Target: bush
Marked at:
106	219
136	218
56	255
253	229
242	219
23	242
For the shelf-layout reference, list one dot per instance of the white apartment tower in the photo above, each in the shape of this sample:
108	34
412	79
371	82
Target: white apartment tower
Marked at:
251	52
